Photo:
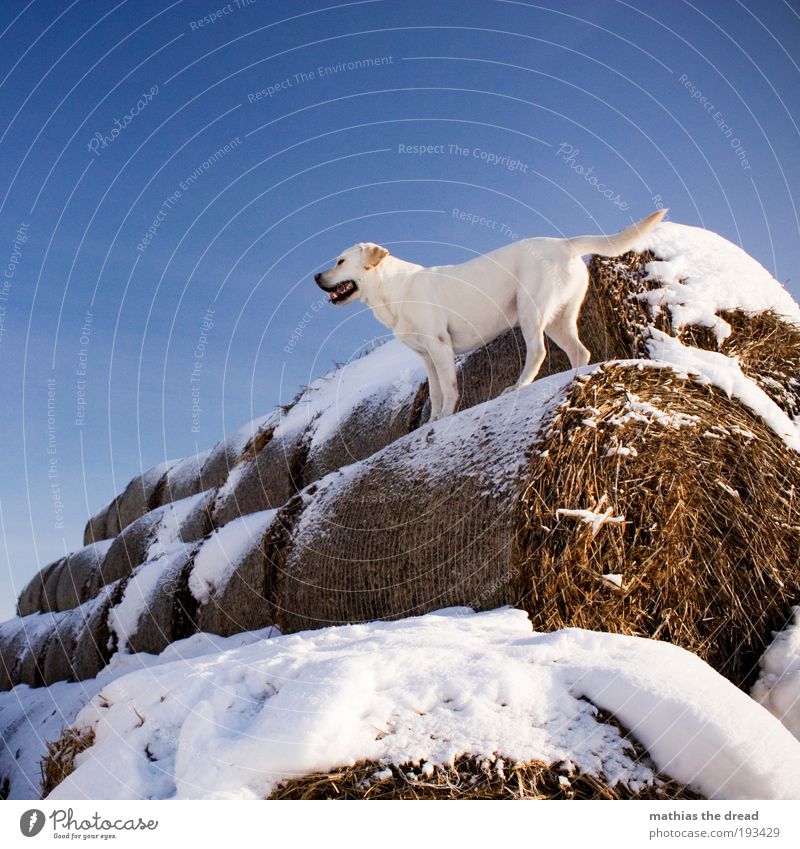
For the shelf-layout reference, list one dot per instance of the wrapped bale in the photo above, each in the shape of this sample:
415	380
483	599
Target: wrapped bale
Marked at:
35	597
223	458
342	417
63	640
95	642
23	644
659	507
105	524
156	607
79	576
182	479
186	520
228	577
266	476
426	523
138	496
369	403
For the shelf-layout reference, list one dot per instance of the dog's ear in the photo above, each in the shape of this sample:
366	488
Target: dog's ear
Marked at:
371	255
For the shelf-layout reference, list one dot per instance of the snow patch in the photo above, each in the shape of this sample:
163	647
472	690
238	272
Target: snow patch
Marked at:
778	685
235	725
223	550
724	373
701	274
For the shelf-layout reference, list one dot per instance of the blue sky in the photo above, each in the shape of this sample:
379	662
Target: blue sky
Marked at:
172	174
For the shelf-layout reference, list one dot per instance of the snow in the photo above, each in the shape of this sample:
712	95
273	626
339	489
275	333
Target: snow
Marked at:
512	419
637	410
621	451
30	718
778	685
182	473
123	618
702	273
391	369
593	517
236	723
453	445
614	579
724	373
168	528
223	550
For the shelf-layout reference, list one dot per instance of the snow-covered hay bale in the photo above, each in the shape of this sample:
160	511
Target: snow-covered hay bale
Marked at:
156	607
104	524
427	522
421	695
183	479
342	417
702	289
265	477
138	496
36	594
79	575
228	577
182	521
657	506
22	656
96	643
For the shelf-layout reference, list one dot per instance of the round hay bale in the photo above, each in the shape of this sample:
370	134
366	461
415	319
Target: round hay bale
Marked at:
105	524
11	645
428	522
57	664
237	602
95	642
693	529
266	477
170	610
31	597
138	496
129	548
767	346
225	455
185	520
197	521
79	577
359	420
31	646
182	480
49	598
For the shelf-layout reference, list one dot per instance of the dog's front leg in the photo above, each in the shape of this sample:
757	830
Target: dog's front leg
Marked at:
443	360
434	389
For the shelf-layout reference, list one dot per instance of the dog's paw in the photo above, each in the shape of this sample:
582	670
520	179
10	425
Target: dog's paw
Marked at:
512	388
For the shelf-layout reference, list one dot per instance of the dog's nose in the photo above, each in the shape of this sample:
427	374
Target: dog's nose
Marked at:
318	277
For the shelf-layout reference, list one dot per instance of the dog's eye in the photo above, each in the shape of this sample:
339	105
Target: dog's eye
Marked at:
340	262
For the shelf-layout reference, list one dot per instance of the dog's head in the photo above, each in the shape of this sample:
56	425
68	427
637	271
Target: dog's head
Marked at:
351	272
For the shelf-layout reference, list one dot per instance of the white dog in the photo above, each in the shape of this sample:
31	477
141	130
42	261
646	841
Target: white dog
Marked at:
536	284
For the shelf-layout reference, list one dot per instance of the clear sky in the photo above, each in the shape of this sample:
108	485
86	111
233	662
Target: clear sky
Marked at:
172	174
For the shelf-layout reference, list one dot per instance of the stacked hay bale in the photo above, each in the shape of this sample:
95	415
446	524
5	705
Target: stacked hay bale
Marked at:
658	507
380	516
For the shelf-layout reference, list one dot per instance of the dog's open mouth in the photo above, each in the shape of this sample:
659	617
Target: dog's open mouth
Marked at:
342	291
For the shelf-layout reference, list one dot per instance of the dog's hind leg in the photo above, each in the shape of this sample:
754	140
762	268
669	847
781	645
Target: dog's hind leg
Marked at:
564	332
531	325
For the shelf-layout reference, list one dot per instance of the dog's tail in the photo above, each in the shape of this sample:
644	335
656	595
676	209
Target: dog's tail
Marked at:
617	244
